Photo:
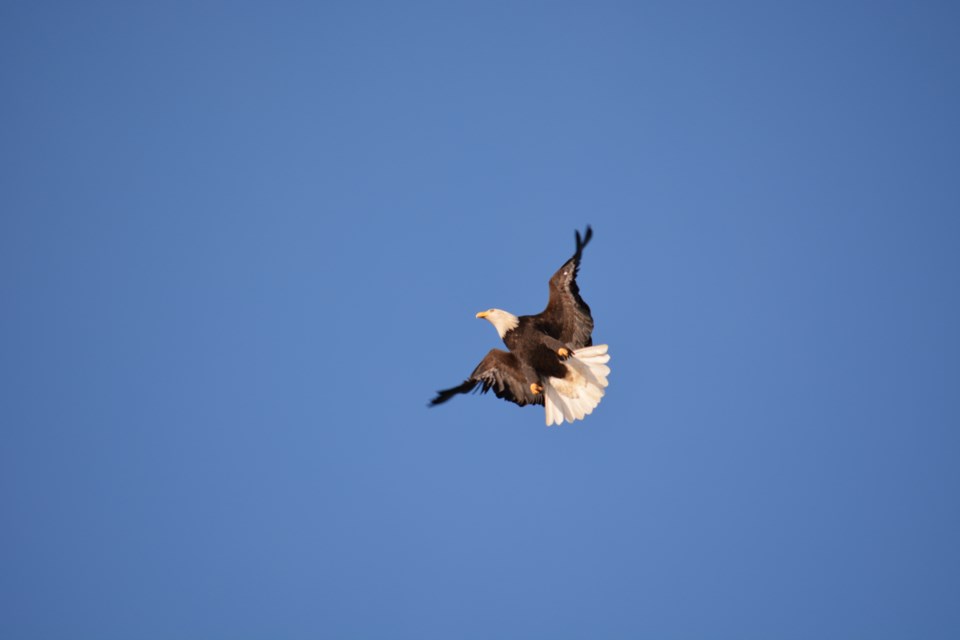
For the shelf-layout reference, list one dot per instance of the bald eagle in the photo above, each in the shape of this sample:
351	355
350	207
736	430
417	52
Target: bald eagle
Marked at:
551	359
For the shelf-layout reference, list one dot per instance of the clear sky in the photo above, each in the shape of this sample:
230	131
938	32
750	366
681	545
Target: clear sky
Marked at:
242	245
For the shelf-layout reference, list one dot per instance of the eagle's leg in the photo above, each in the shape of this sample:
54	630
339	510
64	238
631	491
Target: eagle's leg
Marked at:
535	388
563	353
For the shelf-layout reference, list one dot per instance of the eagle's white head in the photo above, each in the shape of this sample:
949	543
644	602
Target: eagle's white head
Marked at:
501	320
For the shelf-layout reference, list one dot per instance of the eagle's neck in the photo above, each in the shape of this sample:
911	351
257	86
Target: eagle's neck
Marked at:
503	322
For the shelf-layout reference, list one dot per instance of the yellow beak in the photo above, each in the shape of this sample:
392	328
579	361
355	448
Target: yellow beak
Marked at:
483	314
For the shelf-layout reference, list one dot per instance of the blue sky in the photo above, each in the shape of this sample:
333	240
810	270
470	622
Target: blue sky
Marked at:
241	245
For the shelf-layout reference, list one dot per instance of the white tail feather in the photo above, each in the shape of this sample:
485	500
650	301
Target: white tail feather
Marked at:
577	394
547	408
552	404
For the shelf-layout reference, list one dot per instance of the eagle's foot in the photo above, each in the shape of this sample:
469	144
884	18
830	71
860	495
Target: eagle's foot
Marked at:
563	353
535	388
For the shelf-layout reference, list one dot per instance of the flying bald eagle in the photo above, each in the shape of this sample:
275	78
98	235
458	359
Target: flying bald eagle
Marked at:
552	360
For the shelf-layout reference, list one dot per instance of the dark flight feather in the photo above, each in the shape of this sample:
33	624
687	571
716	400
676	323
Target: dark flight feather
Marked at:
567	317
504	373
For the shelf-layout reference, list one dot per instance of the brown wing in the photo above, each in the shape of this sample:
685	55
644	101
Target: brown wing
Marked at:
503	372
567	317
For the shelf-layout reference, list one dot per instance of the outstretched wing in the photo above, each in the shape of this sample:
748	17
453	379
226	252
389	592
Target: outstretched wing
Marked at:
503	372
567	317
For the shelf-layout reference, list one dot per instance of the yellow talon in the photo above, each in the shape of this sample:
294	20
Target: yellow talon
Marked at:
563	352
535	389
